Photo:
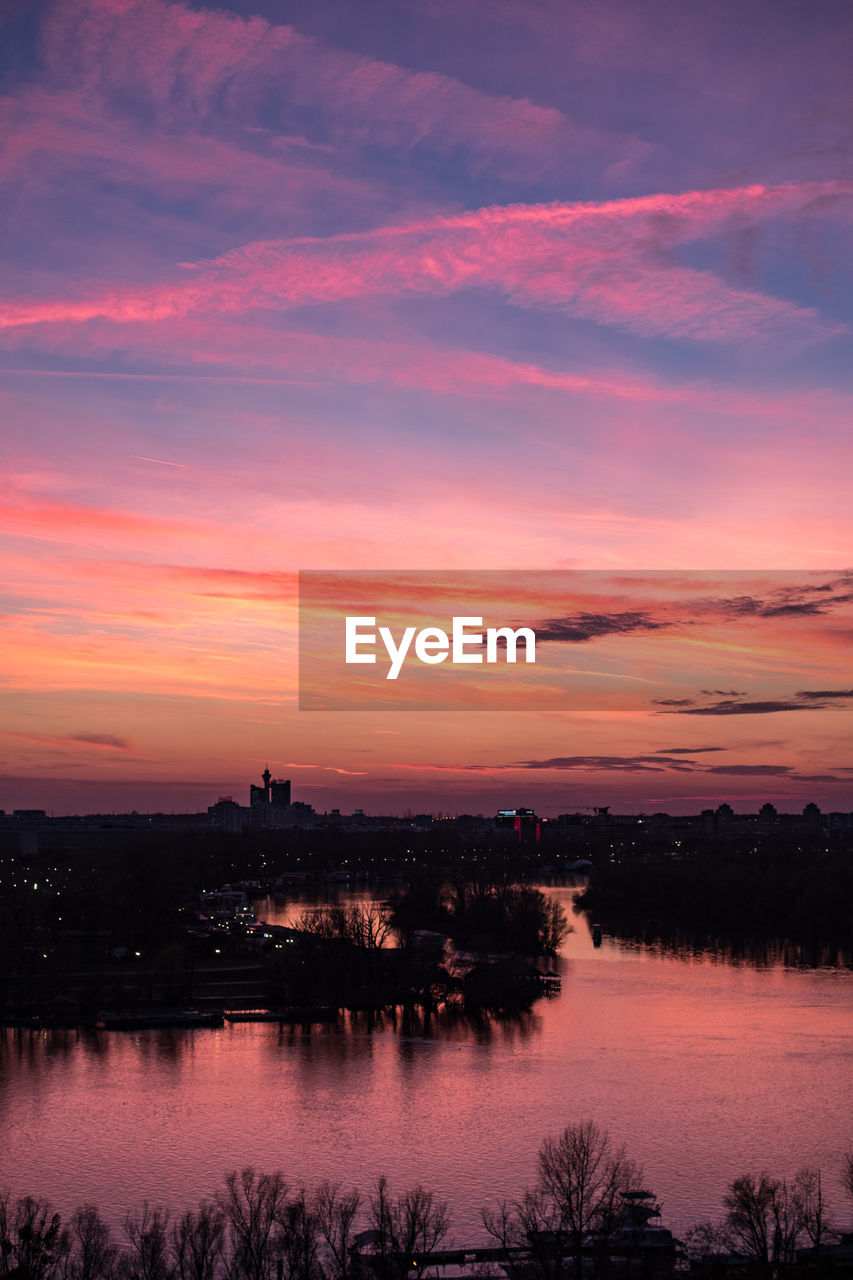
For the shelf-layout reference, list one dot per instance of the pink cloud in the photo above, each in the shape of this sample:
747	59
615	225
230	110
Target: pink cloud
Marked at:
192	65
101	741
256	352
613	263
67	129
57	518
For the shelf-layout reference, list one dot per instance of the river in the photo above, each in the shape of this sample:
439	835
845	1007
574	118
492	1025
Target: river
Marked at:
704	1068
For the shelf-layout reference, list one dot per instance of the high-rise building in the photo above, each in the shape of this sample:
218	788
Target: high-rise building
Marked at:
280	791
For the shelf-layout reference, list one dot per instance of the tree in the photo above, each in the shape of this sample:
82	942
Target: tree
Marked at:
364	925
765	1220
299	1240
33	1243
254	1206
506	917
336	1212
815	1221
528	1229
409	1225
147	1258
368	924
847	1173
582	1178
198	1242
93	1255
706	1239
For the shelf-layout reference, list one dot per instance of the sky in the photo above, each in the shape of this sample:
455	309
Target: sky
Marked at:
404	285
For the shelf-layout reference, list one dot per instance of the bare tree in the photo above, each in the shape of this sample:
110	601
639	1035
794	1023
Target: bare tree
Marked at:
322	922
368	924
365	925
815	1221
254	1206
336	1212
33	1243
747	1204
555	926
765	1220
300	1239
198	1243
582	1178
704	1239
405	1227
528	1229
847	1173
93	1255
147	1257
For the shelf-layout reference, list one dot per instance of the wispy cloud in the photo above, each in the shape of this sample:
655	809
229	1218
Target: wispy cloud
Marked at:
658	763
192	66
578	628
101	740
655	763
786	602
806	700
223	348
613	263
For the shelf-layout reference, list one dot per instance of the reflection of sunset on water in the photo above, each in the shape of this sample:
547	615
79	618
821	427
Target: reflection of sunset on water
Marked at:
703	1068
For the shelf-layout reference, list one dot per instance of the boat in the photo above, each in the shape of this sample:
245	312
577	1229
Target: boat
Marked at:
157	1019
314	1013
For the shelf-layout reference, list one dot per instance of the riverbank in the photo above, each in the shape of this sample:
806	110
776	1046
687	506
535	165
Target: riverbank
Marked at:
730	901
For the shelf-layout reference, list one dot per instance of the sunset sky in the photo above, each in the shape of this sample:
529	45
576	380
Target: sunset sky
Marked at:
387	285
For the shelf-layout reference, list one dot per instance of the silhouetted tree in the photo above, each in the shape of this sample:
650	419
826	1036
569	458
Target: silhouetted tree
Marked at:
506	917
33	1243
847	1173
300	1240
528	1229
92	1253
582	1177
254	1206
815	1221
148	1256
364	925
765	1220
579	1193
197	1243
405	1226
706	1239
336	1213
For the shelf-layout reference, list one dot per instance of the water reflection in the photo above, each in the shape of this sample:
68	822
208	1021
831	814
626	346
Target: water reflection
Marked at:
706	1064
448	1023
624	936
757	953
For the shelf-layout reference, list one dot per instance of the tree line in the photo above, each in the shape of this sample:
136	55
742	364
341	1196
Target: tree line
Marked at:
769	1222
258	1227
728	895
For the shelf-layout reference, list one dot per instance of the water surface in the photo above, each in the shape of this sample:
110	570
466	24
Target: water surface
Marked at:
705	1069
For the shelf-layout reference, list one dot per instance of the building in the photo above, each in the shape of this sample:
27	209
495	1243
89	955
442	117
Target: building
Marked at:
272	806
523	821
228	815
